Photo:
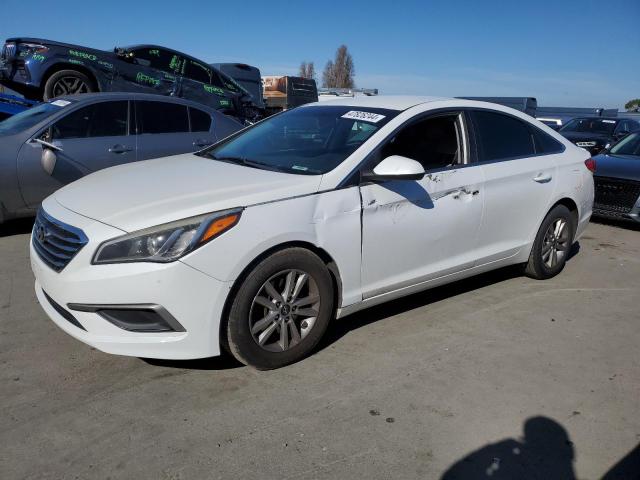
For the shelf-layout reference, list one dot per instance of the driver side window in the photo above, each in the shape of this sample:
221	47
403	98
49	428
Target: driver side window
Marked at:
435	142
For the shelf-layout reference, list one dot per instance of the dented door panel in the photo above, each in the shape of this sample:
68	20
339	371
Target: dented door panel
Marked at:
415	231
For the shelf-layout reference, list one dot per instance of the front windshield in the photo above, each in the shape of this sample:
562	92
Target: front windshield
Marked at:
27	119
630	145
590	125
306	140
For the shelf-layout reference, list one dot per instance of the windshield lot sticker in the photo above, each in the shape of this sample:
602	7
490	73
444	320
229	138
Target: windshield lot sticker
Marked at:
298	167
608	121
364	116
60	103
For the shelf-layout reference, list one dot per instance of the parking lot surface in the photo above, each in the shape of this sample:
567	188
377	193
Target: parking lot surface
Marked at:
493	374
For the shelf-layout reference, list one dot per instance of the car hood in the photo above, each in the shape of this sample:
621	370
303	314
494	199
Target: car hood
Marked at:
55	43
618	166
586	137
143	194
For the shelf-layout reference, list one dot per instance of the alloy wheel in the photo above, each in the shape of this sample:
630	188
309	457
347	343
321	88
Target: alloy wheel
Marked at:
555	244
70	85
284	310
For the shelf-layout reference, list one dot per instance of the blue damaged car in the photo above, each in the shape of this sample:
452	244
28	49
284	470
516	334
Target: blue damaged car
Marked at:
44	69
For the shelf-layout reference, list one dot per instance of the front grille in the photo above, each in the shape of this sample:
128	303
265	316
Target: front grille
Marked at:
615	195
56	242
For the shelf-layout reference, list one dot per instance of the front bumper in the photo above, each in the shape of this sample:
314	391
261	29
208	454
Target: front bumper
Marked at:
193	298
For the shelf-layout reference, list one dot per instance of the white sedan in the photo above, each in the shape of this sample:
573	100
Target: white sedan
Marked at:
257	243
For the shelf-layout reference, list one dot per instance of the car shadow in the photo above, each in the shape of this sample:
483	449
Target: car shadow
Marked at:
16	227
224	362
342	327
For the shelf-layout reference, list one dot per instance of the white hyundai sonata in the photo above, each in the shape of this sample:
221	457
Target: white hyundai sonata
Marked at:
256	243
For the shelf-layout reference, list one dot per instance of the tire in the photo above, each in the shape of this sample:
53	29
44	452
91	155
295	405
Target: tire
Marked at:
549	243
254	329
67	82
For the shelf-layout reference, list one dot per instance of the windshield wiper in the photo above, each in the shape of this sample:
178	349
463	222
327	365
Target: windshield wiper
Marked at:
244	161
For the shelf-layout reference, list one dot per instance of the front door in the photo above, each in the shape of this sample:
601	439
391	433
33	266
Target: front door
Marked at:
87	139
415	231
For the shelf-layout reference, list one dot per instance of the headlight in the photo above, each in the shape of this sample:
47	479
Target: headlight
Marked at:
33	47
168	242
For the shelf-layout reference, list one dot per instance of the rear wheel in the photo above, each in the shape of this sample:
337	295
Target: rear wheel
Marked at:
67	82
552	244
281	310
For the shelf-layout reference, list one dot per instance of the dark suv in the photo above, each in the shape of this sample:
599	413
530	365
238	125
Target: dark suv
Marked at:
43	69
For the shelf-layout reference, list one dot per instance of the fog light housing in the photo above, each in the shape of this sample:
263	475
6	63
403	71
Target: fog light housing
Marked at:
149	318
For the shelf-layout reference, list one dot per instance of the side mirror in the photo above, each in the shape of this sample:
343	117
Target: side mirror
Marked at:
48	160
395	167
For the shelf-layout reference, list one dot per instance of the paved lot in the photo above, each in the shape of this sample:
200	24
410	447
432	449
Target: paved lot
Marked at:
404	390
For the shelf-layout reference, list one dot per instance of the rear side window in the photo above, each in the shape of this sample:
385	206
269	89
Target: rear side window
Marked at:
105	119
501	137
161	117
545	144
197	71
200	121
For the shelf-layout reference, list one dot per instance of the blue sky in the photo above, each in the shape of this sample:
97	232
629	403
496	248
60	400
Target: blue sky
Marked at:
565	53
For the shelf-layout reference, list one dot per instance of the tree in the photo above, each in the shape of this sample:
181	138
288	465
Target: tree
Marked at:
633	105
307	70
339	73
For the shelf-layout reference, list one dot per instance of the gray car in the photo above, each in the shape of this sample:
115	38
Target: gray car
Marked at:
57	142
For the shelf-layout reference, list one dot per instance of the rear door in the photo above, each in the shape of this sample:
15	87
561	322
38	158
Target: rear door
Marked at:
163	129
87	139
202	128
519	165
201	83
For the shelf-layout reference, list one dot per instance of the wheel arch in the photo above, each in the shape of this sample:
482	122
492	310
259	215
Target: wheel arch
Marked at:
320	252
59	66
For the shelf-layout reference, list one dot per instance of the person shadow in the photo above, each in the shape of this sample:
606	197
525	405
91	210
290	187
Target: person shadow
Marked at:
545	452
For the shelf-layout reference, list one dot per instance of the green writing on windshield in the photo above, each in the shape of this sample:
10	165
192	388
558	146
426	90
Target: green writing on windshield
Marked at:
224	103
147	80
155	53
175	63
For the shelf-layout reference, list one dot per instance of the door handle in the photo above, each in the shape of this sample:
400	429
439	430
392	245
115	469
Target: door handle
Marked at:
542	178
120	149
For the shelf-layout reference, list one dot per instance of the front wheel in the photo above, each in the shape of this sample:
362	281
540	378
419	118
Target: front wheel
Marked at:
281	310
67	82
552	244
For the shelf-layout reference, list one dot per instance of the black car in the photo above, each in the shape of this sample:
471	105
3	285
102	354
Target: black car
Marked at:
43	69
596	133
617	180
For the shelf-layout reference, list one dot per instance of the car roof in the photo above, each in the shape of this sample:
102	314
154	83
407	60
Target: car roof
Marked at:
389	102
91	97
597	118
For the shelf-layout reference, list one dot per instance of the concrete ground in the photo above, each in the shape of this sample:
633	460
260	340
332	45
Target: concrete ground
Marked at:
541	376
